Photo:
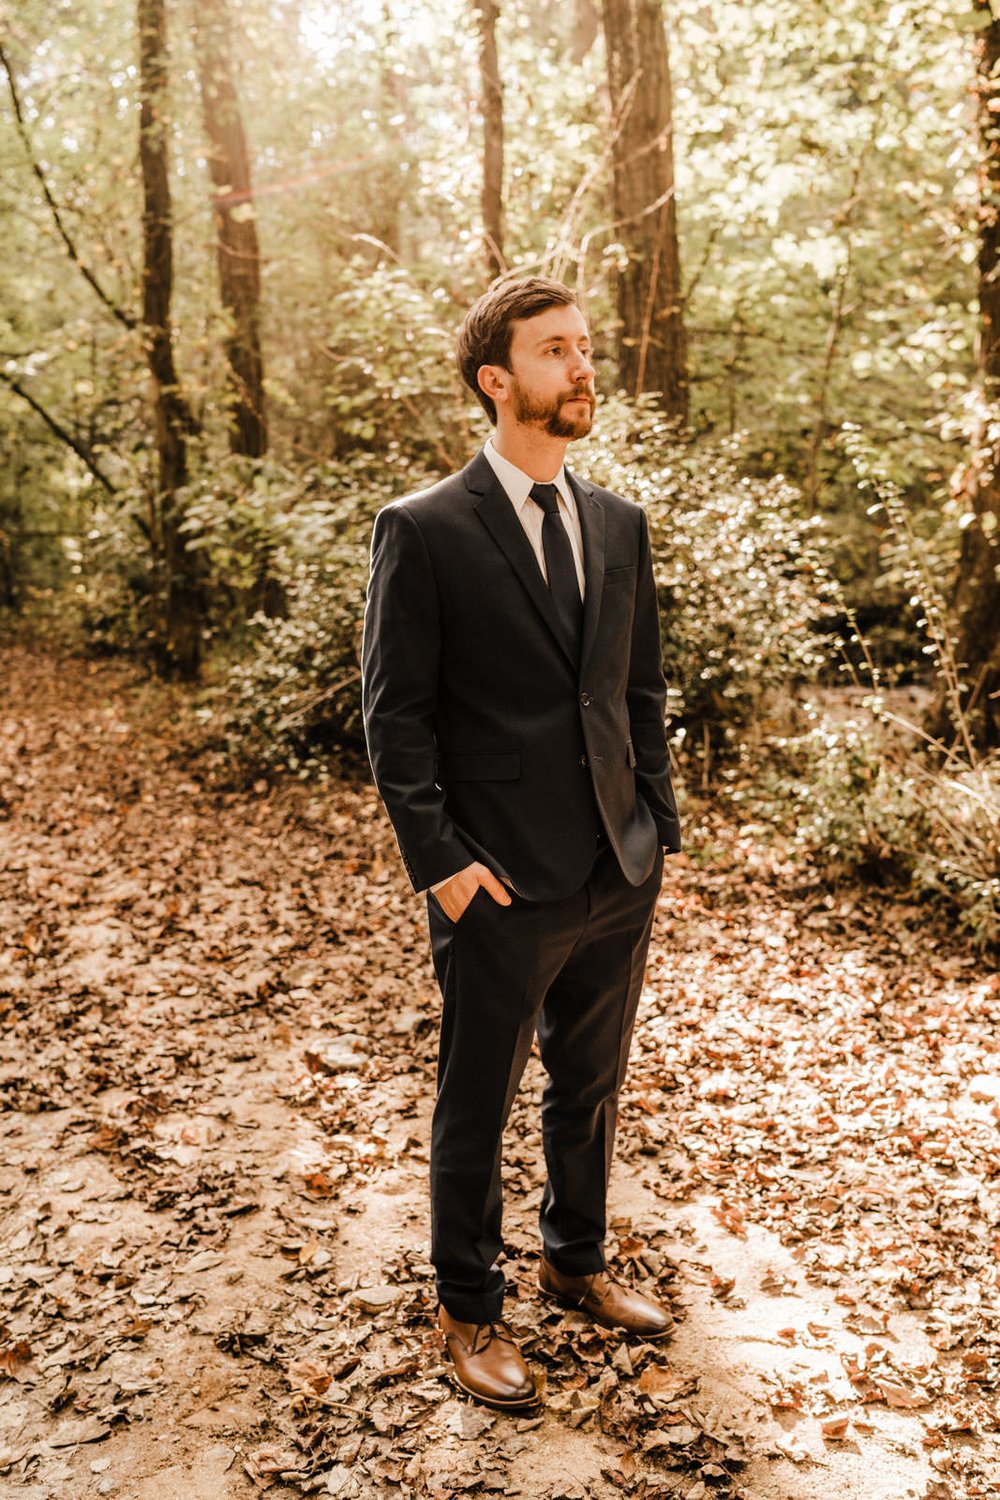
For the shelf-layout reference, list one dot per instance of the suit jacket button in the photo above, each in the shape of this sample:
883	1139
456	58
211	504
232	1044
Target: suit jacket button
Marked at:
585	699
584	761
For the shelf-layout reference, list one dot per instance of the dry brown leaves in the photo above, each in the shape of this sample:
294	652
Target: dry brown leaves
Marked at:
218	1045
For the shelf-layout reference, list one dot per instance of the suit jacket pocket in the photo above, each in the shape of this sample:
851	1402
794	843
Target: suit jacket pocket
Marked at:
619	575
478	765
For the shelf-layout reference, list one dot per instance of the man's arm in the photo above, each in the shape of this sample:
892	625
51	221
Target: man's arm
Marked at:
646	697
400	656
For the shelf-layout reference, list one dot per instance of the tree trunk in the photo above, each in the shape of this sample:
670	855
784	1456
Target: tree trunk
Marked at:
976	597
180	645
236	242
491	92
652	347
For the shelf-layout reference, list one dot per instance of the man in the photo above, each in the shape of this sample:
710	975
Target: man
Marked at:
514	708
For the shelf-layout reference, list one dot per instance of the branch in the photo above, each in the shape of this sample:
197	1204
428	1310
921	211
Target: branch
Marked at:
116	312
643	213
561	251
80	449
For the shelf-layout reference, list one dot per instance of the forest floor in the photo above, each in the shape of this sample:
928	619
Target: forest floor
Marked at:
216	1072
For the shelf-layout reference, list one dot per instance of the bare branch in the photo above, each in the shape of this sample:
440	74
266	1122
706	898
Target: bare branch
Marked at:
80	449
88	275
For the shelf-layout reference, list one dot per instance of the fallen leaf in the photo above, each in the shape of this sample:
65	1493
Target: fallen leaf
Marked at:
14	1355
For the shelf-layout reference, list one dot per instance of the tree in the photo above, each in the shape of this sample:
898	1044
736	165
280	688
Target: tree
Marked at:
976	597
652	347
236	242
491	92
181	592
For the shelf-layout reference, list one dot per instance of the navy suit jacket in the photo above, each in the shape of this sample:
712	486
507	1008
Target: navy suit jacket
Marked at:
487	739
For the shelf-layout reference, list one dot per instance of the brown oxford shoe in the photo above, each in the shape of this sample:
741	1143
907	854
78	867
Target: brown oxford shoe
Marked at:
487	1362
606	1301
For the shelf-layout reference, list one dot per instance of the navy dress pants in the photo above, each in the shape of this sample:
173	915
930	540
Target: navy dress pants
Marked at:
572	970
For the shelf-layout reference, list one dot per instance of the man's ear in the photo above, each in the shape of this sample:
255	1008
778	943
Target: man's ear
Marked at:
493	382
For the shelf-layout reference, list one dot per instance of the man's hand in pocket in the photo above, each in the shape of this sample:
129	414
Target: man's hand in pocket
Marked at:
454	896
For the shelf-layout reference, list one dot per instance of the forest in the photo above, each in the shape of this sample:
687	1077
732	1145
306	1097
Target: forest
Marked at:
236	258
239	239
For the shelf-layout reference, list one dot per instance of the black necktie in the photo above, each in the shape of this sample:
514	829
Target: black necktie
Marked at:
559	565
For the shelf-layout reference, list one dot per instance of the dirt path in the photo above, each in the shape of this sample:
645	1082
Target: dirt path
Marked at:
216	1073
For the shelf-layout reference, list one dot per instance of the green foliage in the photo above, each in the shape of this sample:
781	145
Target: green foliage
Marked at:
297	689
741	581
825	190
113	596
826	194
393	383
862	801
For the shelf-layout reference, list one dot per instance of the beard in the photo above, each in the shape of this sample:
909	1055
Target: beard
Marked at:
549	415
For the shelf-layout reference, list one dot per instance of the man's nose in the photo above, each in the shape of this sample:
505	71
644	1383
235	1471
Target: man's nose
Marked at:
582	368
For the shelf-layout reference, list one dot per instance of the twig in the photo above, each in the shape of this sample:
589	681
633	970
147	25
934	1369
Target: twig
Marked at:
643	213
561	250
837	320
80	449
647	320
315	699
88	275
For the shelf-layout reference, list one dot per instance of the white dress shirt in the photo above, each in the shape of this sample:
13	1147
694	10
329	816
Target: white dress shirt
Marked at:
517	486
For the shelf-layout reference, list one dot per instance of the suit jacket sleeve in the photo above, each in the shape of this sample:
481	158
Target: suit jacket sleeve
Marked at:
646	697
400	657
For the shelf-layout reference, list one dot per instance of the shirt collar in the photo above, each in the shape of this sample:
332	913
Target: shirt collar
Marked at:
517	484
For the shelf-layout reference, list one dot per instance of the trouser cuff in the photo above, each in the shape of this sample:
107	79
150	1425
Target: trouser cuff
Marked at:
585	1260
472	1307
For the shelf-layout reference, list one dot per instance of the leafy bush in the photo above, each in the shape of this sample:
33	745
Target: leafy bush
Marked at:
877	797
862	801
235	515
741	583
739	577
394	385
111	597
297	690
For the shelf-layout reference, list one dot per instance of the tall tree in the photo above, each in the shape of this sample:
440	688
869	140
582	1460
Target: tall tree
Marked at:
652	346
976	597
237	245
491	94
180	650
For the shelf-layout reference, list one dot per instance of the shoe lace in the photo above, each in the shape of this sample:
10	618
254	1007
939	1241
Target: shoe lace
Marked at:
497	1328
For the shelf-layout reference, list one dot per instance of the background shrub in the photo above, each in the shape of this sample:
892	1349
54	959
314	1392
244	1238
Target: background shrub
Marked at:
860	799
739	578
741	583
296	690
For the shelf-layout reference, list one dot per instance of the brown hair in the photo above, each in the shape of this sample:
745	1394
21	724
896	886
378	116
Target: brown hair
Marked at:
488	327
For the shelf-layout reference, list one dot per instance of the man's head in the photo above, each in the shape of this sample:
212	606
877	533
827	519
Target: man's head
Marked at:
524	347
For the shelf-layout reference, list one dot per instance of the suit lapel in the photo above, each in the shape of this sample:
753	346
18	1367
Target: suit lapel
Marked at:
591	513
500	519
